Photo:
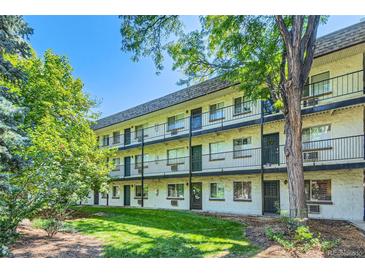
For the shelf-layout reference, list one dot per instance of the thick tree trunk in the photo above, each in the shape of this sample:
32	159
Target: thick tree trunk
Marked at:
293	152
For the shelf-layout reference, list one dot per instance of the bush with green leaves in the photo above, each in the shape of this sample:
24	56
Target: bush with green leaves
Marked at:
297	237
52	226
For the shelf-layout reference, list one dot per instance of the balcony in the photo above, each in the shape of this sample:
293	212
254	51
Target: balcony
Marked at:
344	150
333	90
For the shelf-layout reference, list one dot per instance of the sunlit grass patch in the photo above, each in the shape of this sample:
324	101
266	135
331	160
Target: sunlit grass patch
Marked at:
133	232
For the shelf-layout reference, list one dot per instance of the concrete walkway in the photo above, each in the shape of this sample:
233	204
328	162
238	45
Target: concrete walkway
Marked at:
360	225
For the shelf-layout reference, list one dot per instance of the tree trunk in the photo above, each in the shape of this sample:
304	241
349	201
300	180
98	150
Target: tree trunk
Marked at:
293	152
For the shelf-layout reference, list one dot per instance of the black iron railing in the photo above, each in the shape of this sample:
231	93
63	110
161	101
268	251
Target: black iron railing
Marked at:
333	89
338	150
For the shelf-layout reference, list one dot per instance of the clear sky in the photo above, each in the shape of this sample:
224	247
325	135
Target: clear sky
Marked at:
92	44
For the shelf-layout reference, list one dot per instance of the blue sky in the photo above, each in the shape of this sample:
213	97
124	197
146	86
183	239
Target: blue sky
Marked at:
92	44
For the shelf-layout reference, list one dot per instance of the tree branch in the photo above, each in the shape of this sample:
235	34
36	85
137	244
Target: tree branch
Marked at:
286	36
312	28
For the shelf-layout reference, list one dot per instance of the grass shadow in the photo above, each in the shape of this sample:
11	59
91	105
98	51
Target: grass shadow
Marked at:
129	232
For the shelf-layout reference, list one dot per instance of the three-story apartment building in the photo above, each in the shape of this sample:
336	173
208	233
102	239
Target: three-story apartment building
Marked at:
207	147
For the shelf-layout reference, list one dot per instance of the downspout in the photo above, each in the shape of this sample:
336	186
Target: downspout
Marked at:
261	152
142	170
190	158
363	82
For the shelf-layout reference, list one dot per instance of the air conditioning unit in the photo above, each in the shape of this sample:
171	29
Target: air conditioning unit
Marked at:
174	132
310	156
310	102
139	170
139	202
314	209
174	203
174	168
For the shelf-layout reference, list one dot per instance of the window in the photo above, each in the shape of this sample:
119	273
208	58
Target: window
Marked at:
217	191
320	84
175	190
175	156
240	147
116	192
216	112
175	122
317	137
269	107
216	151
240	106
138	133
242	191
116	137
138	161
116	164
139	192
318	190
106	140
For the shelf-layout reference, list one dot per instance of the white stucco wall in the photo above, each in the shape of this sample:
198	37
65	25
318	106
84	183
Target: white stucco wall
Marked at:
347	192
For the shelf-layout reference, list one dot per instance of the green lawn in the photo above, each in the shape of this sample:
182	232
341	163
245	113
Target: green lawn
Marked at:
132	232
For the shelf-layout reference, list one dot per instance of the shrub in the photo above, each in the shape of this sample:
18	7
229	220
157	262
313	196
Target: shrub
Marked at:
4	251
52	226
296	236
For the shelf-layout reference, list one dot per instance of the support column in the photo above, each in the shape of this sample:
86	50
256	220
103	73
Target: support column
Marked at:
142	170
190	158
363	71
261	152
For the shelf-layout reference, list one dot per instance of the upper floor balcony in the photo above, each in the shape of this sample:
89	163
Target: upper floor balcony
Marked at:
328	152
324	92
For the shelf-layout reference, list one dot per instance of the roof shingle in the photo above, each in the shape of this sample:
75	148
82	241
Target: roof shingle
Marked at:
343	38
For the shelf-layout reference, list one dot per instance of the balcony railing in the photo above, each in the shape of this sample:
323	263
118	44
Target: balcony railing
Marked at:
336	150
332	90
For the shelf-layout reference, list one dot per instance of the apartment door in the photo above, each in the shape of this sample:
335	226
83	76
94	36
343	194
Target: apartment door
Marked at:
270	147
196	158
196	196
127	195
271	197
196	119
127	166
127	136
96	197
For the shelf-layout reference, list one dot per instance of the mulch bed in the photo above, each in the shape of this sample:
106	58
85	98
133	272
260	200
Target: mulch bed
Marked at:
34	243
351	245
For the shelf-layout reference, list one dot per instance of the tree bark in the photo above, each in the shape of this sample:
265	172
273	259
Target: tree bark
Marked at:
293	152
298	57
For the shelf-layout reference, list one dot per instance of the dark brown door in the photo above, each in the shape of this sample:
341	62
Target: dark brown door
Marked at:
270	146
271	196
127	136
196	196
196	158
127	195
96	197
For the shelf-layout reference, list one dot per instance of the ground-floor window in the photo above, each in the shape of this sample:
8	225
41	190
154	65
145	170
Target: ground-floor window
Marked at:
217	191
242	191
116	192
318	190
175	190
139	191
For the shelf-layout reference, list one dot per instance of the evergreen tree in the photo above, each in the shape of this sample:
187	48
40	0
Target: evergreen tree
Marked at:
14	32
